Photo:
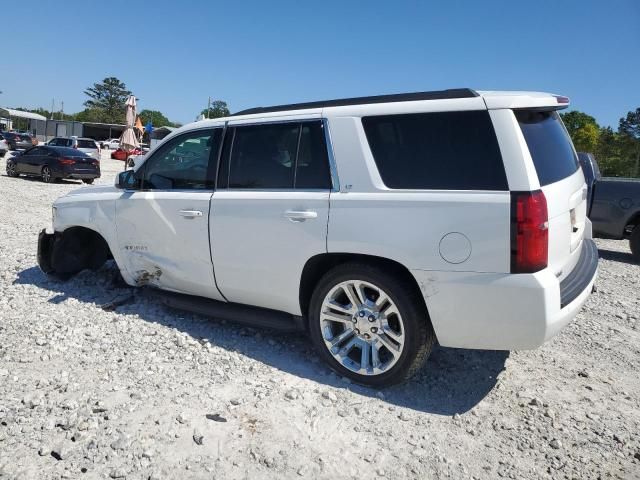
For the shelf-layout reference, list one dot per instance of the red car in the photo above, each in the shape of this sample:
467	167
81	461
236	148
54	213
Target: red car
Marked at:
121	154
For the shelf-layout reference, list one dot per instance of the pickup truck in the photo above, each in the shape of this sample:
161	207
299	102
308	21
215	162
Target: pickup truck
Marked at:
613	204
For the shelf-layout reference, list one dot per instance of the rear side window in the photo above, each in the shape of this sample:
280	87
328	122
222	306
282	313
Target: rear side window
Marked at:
275	156
443	150
549	144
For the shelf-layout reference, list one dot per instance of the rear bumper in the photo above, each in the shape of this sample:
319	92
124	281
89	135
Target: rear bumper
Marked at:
80	176
505	311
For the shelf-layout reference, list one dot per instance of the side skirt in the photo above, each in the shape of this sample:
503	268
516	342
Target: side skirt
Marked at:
233	312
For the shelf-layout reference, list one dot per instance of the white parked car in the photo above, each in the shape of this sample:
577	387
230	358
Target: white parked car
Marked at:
86	145
4	146
377	224
111	144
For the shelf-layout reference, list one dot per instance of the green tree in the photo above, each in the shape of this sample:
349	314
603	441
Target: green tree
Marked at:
607	153
109	97
217	109
583	130
629	132
97	115
155	117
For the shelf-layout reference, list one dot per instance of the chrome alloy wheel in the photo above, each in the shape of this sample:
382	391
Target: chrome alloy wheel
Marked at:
11	169
362	327
46	175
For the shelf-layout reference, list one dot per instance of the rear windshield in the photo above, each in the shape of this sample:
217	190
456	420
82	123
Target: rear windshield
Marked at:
86	144
549	145
25	137
440	150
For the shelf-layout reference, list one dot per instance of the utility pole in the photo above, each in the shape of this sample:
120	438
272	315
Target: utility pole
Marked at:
53	105
208	107
61	110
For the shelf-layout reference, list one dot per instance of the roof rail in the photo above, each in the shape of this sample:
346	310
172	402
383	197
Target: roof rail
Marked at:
398	97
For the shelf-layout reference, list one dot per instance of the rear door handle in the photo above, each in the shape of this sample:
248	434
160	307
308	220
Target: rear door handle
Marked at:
300	215
190	213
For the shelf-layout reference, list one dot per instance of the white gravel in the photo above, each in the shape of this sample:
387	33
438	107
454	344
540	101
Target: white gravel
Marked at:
145	392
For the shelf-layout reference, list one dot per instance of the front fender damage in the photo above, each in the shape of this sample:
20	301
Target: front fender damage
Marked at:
66	253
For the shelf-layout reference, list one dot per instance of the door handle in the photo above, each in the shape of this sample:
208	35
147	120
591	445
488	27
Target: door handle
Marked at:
300	216
190	213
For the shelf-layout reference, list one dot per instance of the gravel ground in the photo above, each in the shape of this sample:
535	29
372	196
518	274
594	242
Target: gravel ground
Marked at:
89	389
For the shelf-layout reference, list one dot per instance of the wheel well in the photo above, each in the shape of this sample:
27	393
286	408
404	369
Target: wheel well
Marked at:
317	266
77	248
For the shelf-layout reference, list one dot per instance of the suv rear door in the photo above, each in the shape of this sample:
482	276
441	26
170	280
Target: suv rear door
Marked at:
561	181
270	211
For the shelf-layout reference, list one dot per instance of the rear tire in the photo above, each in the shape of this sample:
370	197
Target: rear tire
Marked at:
88	181
46	175
377	342
634	243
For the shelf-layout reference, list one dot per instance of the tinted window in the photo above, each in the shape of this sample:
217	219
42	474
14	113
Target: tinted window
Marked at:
35	151
549	144
284	155
312	167
445	150
86	144
183	163
263	156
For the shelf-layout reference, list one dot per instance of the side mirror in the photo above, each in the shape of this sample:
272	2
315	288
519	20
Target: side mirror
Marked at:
126	180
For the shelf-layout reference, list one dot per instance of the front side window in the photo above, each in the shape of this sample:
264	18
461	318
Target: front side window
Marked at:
440	150
183	163
35	151
275	156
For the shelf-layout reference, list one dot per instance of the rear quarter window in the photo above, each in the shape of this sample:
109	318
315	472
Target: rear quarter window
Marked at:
440	151
549	144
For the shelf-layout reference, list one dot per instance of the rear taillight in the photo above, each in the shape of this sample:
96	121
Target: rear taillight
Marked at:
67	161
529	232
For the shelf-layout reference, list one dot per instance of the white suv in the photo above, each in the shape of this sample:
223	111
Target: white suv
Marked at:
378	224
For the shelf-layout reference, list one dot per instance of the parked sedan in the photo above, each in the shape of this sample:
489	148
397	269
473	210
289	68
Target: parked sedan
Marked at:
53	163
17	141
121	154
111	144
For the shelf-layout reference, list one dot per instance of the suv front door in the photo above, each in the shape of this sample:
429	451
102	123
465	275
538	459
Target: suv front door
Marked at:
270	211
163	225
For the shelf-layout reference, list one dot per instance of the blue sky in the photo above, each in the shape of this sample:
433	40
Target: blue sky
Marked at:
173	55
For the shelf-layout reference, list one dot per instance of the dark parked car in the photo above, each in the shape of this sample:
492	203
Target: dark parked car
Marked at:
613	204
17	141
54	163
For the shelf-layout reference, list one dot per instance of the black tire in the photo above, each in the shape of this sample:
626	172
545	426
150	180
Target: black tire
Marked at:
418	331
634	243
11	169
45	175
88	181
